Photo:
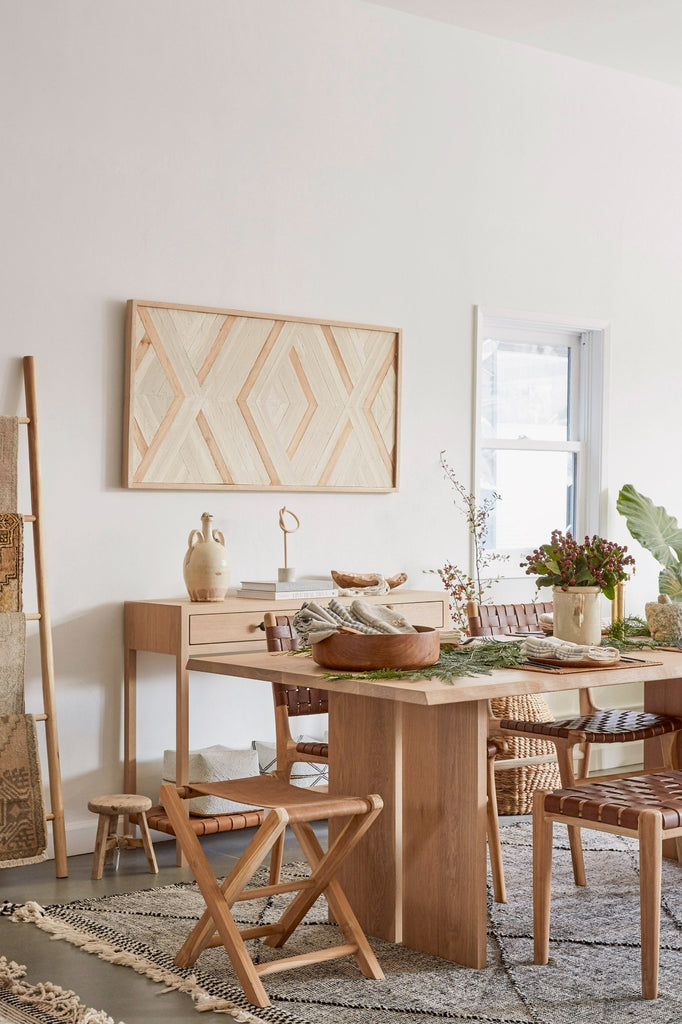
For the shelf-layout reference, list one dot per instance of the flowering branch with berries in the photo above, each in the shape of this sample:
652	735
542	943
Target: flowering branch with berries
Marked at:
566	563
461	586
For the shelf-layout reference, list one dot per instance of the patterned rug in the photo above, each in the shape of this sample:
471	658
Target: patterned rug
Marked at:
21	1003
11	561
9	446
23	832
594	974
12	662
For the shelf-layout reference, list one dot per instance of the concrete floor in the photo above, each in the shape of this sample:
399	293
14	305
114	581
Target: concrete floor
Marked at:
125	995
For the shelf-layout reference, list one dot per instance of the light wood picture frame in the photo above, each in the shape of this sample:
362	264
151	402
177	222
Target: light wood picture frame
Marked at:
220	399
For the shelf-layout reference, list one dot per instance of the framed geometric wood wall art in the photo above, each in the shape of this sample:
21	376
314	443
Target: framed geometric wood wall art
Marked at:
219	399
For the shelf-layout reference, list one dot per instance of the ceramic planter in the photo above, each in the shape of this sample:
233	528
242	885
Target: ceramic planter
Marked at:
577	614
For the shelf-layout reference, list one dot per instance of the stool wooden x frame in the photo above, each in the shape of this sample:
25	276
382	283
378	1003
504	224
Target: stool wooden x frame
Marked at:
288	805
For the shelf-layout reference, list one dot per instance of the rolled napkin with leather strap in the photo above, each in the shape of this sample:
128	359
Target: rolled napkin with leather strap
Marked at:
563	650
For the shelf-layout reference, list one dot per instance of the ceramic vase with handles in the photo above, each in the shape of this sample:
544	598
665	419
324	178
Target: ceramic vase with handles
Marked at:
207	564
577	614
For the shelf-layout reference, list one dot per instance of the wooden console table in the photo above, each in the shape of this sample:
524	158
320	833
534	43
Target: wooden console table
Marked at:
184	629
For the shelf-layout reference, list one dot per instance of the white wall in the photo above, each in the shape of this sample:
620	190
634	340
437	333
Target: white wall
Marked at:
317	158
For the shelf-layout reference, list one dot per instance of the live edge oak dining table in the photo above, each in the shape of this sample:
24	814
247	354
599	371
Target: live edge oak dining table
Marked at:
419	876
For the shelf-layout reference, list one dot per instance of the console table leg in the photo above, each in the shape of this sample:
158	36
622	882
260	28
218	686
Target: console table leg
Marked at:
181	739
129	727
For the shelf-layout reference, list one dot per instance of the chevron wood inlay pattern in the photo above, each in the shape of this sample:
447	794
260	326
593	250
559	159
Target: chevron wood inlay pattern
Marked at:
218	399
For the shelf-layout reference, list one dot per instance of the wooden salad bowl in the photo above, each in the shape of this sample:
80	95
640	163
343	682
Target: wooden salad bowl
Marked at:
359	652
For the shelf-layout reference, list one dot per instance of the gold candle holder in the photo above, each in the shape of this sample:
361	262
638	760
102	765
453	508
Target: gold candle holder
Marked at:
618	604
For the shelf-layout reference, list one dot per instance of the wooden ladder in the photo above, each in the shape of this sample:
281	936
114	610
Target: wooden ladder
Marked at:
49	716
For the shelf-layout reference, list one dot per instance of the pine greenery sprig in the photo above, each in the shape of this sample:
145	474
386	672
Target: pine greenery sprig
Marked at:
454	662
632	634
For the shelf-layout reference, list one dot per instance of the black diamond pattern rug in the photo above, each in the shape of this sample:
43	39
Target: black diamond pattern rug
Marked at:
593	976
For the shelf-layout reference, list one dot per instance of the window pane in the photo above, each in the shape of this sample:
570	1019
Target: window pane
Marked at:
537	492
525	390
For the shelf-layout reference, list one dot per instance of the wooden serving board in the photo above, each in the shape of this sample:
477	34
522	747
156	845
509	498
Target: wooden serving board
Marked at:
561	668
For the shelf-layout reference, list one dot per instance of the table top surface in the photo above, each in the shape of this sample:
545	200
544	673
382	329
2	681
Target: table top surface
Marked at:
301	670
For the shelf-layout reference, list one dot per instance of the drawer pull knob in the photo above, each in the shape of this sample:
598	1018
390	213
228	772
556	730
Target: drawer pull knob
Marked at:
261	625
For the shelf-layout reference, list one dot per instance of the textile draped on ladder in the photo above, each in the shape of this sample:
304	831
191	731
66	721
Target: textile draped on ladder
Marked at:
23	835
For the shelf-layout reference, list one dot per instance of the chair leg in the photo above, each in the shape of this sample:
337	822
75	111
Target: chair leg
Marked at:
106	823
670	759
584	762
668	744
339	905
650	854
217	915
276	859
567	776
493	830
277	855
324	872
147	845
542	878
204	930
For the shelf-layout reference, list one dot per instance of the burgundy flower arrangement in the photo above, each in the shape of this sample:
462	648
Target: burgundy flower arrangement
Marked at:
566	563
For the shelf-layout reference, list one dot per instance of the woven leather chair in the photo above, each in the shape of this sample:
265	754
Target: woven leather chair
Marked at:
287	805
290	701
497	619
646	807
592	725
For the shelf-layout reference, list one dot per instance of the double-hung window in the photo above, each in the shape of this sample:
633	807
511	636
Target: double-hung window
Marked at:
538	430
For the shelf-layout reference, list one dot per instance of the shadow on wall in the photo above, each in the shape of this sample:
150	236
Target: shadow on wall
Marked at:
113	390
12	400
81	664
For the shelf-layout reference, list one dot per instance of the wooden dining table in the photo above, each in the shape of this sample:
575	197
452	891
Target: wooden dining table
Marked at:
419	876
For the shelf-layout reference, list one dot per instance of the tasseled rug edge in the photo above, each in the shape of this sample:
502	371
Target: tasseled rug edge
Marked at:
33	913
47	997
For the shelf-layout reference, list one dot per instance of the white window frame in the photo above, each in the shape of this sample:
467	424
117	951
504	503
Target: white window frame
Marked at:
588	412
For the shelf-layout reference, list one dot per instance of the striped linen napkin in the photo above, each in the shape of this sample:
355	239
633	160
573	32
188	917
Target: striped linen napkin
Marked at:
564	650
314	623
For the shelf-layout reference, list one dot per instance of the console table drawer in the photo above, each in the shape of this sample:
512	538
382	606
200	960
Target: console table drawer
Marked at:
225	628
238	627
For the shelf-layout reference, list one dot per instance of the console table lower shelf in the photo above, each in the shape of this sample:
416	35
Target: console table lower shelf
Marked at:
206	825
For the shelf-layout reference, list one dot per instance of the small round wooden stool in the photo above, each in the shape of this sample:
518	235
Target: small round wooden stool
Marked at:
109	809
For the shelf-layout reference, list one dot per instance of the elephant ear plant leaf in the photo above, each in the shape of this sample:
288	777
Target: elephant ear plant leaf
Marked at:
659	533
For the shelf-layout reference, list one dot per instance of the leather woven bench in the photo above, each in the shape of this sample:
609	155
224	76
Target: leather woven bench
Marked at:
646	807
206	825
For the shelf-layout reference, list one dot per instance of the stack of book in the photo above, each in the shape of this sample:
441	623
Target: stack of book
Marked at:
293	590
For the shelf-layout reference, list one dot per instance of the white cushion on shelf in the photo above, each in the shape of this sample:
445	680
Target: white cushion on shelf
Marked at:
303	773
214	764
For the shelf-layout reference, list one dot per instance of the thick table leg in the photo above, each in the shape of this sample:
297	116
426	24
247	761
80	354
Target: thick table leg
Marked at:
419	875
444	812
365	742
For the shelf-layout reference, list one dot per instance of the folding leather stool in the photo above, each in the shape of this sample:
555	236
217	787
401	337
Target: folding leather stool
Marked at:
288	805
